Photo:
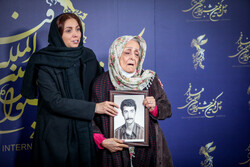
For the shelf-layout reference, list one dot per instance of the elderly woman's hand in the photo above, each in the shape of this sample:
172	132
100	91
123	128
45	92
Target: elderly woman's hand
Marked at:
106	107
149	102
113	144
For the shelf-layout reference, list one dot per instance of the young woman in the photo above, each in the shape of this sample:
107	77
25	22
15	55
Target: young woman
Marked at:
63	72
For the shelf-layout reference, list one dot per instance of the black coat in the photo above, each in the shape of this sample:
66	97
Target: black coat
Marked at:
63	134
63	76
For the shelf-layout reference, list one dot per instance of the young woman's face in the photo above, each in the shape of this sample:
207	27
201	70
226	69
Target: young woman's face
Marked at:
72	33
130	56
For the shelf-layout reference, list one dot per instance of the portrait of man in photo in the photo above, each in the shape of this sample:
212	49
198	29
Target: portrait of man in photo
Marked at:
130	129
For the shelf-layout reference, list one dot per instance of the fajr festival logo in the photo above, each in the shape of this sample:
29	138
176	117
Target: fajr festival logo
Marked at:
202	11
208	162
197	109
242	55
199	56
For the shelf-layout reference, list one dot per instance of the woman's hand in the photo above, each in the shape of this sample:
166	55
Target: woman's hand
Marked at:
114	145
106	107
149	102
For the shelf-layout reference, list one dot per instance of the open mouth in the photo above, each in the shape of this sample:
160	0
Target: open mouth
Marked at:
75	41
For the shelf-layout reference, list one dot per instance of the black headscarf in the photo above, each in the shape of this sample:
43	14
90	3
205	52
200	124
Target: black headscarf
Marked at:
56	54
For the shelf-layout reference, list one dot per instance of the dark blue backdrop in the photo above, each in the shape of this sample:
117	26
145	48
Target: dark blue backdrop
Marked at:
210	125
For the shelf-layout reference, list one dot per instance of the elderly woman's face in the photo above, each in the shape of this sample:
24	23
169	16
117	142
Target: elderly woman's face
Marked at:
130	56
71	34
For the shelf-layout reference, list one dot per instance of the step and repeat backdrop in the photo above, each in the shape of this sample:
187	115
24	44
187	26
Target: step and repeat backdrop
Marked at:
199	49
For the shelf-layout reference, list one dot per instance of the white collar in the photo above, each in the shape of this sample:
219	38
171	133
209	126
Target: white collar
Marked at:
127	75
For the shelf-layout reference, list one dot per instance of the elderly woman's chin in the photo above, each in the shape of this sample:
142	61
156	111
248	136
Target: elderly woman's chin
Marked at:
129	69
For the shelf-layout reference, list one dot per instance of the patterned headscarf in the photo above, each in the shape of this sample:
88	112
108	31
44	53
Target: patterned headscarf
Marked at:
139	80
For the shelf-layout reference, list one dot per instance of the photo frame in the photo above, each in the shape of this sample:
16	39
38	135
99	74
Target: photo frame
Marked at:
131	123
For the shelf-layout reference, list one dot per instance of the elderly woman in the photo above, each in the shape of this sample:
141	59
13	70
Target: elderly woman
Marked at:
126	56
63	72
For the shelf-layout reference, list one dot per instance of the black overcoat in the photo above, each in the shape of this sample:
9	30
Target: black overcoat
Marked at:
63	133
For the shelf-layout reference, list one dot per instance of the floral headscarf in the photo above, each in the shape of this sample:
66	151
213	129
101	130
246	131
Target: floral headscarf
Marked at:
138	81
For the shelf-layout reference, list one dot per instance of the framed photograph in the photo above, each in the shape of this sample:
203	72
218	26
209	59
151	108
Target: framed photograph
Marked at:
131	122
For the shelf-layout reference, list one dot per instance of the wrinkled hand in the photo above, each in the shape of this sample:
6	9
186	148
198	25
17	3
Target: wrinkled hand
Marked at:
113	144
106	107
149	102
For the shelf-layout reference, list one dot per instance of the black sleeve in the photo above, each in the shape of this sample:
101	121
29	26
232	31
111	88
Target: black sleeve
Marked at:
162	102
52	97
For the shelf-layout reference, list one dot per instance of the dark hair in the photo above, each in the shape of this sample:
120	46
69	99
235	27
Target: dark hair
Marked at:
62	19
129	103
